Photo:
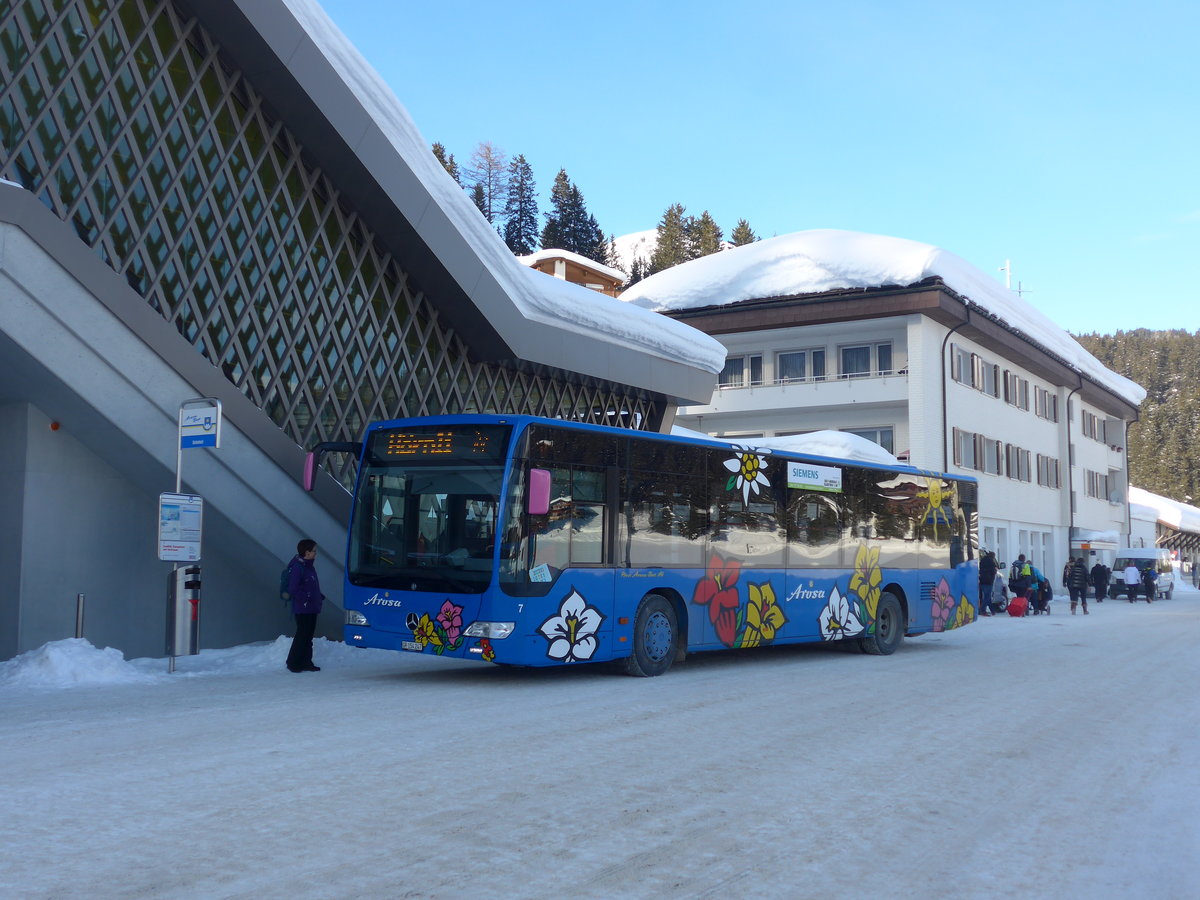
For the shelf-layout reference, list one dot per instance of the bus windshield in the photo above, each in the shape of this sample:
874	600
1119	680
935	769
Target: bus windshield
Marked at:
425	515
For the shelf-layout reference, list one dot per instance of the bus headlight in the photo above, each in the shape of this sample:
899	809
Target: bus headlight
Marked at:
354	617
493	630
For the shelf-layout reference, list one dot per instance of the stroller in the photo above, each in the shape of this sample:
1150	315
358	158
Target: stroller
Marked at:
1042	594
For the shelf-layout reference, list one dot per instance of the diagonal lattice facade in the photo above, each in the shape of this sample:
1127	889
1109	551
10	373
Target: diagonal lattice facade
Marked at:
126	122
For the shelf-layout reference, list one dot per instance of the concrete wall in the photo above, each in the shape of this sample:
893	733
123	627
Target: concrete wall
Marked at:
84	528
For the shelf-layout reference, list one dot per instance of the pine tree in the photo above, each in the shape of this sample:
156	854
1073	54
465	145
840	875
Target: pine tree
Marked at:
1167	365
637	271
488	170
706	236
447	162
612	256
569	226
674	245
478	198
553	235
742	234
592	243
520	210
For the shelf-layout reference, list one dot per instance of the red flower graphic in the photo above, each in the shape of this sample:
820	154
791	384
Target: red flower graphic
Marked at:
718	593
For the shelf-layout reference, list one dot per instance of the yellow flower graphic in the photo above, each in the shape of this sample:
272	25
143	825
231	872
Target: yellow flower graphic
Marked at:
866	578
426	632
763	615
964	614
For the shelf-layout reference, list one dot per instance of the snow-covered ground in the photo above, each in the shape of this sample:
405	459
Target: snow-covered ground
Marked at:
1049	757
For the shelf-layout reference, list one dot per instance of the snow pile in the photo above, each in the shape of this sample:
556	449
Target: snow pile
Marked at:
1177	515
826	259
75	662
560	304
70	663
832	444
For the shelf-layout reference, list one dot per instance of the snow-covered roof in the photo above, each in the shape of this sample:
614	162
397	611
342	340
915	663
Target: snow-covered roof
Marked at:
335	76
541	255
1172	513
812	262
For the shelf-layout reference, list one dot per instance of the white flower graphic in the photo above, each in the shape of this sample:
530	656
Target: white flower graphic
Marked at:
838	620
572	633
747	467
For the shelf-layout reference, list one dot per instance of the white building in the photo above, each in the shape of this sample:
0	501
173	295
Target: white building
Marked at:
919	351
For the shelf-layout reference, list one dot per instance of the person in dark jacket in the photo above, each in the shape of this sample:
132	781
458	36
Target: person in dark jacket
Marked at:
1149	581
304	588
1100	575
1077	584
987	579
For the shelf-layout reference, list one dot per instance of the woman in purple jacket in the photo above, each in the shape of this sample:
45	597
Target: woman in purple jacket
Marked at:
305	592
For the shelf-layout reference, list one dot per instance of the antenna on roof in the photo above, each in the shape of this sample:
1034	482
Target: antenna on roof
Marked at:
1021	292
1007	270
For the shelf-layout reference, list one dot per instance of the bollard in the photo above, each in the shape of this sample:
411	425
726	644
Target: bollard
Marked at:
79	615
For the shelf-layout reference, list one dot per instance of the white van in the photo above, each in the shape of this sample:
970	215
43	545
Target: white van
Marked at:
1159	557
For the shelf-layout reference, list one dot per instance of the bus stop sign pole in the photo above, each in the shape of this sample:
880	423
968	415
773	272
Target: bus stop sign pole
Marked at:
180	517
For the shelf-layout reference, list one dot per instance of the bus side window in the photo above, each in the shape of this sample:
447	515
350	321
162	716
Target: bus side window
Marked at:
814	523
664	519
572	532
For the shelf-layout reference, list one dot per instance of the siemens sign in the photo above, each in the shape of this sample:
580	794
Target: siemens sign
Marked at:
814	478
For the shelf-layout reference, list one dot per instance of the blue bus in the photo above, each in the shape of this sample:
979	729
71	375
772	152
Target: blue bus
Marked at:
536	542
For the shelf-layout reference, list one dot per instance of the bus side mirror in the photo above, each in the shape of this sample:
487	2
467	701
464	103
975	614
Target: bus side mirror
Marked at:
312	459
539	492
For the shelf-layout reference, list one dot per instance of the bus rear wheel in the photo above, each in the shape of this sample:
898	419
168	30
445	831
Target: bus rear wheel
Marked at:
889	627
655	637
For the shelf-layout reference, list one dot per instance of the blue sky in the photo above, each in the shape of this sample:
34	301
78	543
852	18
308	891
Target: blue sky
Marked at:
1064	136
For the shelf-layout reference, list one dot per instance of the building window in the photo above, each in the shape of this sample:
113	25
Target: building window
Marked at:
1045	404
992	452
1016	390
861	360
987	377
1094	427
742	371
1017	463
800	365
977	451
881	436
974	371
1098	485
1048	472
960	364
964	449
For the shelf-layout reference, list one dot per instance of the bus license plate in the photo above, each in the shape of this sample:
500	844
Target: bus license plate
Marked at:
411	645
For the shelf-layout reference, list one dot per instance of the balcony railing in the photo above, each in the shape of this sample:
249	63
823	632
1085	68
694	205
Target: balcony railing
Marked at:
847	376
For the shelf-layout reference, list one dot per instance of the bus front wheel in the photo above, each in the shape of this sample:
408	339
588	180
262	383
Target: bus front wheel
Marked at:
655	637
889	627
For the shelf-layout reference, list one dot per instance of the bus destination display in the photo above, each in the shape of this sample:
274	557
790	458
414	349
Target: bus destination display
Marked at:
433	444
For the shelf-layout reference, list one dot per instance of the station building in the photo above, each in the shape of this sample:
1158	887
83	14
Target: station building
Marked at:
220	199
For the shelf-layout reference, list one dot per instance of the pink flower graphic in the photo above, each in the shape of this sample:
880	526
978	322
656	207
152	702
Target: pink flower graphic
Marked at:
450	618
943	605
